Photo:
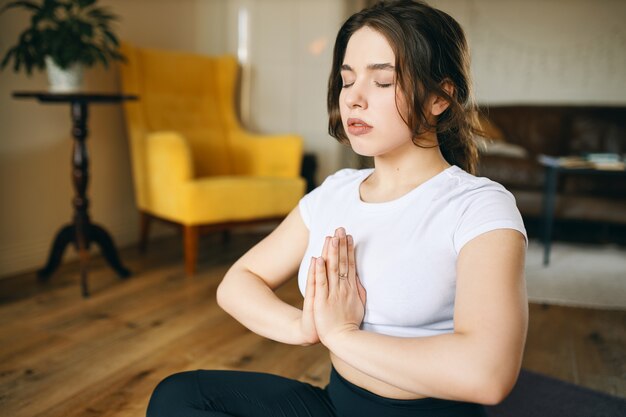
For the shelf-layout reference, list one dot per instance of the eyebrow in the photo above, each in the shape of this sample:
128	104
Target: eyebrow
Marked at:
386	66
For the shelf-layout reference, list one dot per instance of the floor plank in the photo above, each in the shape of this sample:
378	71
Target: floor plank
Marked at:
62	355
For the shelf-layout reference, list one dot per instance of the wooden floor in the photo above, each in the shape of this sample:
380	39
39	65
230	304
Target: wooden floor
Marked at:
62	355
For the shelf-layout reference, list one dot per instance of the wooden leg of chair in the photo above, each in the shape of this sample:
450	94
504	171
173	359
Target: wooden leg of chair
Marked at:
145	220
191	248
226	237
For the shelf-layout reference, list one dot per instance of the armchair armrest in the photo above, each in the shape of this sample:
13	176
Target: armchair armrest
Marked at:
267	155
169	160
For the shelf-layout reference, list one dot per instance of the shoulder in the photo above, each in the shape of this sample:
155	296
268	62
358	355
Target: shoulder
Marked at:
464	188
479	205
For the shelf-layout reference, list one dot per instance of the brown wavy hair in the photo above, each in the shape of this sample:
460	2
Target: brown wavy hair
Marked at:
430	50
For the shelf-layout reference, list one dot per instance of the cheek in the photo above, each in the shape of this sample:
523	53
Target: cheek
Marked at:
390	110
343	109
402	109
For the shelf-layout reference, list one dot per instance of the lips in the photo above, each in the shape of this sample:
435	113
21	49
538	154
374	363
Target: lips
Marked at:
358	127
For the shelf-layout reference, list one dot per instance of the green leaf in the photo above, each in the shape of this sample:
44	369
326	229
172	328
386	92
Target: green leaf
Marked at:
17	64
24	4
116	55
110	36
102	57
48	9
7	57
85	3
102	14
84	28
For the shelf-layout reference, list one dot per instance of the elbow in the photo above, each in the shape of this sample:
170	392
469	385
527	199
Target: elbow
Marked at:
493	388
493	394
222	294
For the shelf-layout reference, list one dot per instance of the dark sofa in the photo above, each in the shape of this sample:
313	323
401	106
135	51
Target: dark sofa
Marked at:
519	134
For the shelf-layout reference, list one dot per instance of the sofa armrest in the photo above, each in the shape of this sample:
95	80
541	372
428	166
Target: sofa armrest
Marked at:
267	155
512	172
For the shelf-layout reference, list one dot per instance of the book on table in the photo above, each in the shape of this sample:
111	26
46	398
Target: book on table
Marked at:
604	161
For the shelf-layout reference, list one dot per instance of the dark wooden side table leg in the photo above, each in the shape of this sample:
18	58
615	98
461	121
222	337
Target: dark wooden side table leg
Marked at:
549	198
86	232
107	247
65	236
80	176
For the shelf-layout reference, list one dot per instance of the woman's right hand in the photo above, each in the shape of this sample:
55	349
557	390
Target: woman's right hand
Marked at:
307	322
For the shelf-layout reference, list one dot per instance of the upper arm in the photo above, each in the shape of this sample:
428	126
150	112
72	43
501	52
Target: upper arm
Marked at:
277	257
491	304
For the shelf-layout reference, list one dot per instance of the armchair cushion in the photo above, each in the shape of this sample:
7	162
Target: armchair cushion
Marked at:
237	198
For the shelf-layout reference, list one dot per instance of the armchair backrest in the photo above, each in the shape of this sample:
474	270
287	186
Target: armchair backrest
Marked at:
187	93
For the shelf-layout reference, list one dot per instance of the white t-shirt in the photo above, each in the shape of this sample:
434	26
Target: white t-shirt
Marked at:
406	249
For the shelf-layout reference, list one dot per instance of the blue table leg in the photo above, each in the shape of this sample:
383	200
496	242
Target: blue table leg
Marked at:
549	199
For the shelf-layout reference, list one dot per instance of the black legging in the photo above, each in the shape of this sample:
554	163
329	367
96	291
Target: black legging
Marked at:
253	394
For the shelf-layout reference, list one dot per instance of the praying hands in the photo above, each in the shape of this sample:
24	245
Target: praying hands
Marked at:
334	299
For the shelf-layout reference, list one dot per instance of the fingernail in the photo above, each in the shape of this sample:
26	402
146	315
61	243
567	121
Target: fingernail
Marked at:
350	239
320	261
341	231
335	241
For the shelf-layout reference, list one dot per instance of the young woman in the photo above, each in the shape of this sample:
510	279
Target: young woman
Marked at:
419	294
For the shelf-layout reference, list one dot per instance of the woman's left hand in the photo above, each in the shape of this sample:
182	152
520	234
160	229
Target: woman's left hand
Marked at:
339	304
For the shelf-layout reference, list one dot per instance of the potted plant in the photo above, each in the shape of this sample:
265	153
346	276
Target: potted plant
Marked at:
64	36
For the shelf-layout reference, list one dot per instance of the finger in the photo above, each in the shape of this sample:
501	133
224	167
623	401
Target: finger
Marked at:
332	264
321	281
351	260
325	248
309	291
343	268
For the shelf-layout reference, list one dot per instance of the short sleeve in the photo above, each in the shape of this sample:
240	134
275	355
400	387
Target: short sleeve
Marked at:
307	206
486	210
310	203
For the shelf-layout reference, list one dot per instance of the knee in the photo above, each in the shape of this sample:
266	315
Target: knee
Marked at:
172	395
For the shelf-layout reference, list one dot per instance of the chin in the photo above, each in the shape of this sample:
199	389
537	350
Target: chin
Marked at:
363	149
367	151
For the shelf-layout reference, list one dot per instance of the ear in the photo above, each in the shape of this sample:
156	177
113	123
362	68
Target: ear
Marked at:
439	104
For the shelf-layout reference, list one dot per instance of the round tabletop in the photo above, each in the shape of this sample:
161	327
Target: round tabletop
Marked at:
52	97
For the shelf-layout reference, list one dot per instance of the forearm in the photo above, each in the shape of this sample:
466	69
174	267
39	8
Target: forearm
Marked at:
251	302
451	366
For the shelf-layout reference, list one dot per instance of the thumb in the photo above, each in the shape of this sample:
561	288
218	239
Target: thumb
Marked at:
361	289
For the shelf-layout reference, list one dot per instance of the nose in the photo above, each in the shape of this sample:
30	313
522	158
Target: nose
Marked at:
355	96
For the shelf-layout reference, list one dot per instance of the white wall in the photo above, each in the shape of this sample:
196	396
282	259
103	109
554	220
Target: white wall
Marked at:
545	51
523	51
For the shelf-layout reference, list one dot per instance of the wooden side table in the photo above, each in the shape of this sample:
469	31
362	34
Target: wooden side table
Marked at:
554	169
81	232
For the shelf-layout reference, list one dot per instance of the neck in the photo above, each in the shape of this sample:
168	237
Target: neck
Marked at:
408	167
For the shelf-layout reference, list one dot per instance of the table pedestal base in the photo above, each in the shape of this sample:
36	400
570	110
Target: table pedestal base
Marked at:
93	233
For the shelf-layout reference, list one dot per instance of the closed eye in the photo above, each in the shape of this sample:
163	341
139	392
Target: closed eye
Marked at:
375	82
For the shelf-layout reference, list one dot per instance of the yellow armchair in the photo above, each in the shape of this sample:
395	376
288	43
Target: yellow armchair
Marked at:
193	164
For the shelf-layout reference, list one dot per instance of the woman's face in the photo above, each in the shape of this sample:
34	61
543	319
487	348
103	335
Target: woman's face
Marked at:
367	101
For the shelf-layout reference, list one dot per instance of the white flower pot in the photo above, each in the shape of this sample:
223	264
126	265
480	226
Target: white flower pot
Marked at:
64	80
